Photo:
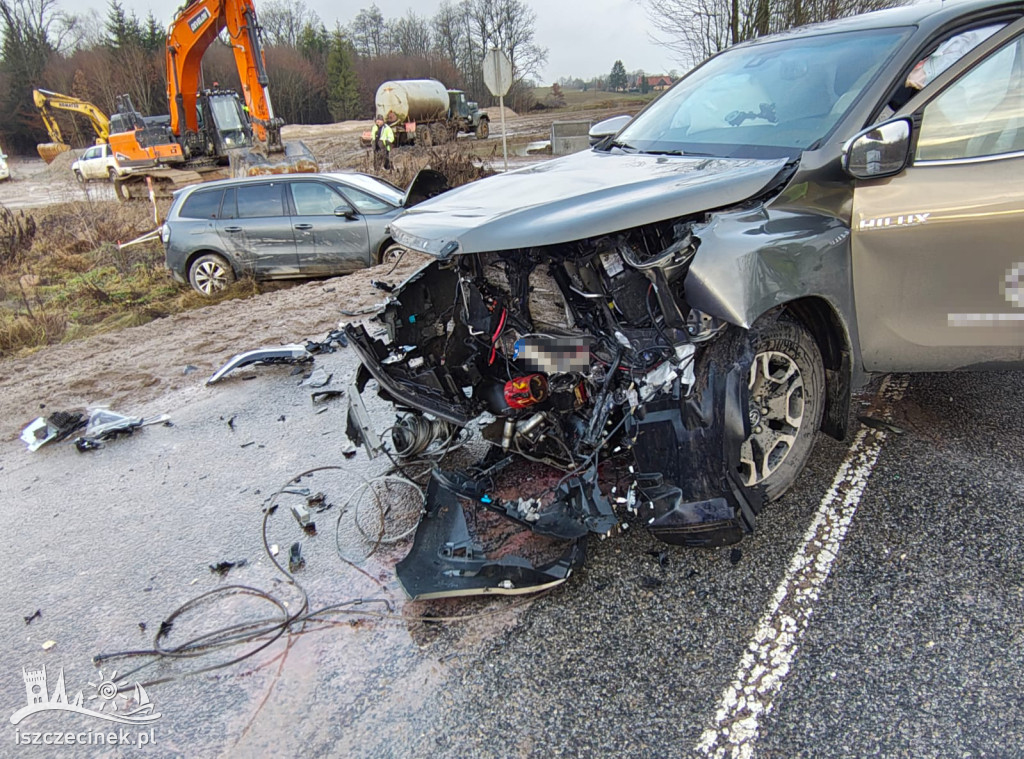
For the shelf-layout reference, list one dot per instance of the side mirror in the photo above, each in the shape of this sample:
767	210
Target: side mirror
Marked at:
605	129
347	212
881	151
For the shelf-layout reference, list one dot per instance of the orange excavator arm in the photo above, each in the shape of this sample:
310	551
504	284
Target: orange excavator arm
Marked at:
193	30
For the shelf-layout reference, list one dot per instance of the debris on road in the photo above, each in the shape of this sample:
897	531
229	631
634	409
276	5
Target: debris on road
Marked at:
49	644
319	378
286	354
327	345
105	424
223	567
101	424
295	560
57	426
37	614
322	396
879	424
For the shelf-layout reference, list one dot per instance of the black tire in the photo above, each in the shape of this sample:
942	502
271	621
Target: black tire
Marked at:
210	273
787	399
112	173
79	177
483	129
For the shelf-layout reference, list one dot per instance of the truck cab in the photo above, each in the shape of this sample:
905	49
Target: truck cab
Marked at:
467	114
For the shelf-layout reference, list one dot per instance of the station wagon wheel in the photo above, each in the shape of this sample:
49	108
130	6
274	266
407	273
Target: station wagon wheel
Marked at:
391	255
786	395
210	274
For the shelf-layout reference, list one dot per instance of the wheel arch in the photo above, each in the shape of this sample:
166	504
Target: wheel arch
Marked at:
378	254
819	317
191	259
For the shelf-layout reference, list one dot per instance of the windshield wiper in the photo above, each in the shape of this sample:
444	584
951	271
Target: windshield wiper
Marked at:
624	146
676	152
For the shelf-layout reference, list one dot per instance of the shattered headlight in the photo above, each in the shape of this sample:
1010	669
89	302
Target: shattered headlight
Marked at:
440	247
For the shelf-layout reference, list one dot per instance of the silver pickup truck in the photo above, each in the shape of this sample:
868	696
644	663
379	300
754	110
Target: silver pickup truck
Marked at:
97	162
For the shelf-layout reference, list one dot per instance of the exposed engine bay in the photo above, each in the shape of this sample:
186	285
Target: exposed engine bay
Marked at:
569	356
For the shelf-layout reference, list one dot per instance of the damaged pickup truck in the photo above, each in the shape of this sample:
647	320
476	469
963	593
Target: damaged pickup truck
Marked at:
701	291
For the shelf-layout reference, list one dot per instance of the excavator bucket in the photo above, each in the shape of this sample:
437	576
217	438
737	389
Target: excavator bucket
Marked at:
48	151
296	159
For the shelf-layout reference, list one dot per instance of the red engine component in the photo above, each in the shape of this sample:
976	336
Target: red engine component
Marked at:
523	392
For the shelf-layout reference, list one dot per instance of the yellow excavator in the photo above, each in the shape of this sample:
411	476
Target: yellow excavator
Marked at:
47	101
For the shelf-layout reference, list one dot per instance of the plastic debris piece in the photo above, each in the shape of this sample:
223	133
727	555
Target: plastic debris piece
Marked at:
322	396
301	514
189	369
37	614
223	567
295	560
49	644
56	426
319	378
286	354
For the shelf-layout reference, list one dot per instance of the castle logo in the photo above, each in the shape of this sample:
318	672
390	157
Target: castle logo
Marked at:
107	702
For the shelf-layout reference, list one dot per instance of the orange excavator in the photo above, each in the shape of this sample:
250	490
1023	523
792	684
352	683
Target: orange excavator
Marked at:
212	133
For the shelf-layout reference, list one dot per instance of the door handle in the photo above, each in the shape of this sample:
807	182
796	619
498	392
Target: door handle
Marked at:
303	226
232	229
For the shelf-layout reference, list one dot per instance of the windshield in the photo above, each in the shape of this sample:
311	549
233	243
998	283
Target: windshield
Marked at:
377	187
771	99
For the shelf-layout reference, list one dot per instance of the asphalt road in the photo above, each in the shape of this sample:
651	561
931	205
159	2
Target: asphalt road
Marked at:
907	638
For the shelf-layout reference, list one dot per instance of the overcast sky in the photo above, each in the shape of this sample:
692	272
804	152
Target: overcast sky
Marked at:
583	37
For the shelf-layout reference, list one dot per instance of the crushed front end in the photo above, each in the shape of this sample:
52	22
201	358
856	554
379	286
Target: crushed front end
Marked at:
573	356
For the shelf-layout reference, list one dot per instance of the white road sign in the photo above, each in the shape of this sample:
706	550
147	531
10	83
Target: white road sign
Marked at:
497	72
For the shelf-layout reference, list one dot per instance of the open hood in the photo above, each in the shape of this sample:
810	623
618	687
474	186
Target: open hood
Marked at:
583	195
426	184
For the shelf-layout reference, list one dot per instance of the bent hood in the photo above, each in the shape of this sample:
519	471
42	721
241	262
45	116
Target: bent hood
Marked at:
582	195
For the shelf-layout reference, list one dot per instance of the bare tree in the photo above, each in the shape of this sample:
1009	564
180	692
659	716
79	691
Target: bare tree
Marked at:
697	29
410	36
283	21
370	33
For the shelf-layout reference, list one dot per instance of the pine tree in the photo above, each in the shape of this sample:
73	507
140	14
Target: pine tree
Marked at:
617	79
342	82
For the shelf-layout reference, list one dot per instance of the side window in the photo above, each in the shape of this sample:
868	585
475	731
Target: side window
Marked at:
980	113
229	209
90	154
315	199
365	202
202	204
260	200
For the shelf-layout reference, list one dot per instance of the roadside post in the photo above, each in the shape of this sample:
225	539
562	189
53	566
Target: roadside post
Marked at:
498	78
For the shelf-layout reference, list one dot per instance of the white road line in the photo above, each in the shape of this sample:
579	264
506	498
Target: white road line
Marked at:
769	656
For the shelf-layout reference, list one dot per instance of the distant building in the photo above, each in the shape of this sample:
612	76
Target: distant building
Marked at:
657	82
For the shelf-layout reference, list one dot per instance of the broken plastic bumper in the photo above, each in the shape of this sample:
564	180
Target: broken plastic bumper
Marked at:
445	561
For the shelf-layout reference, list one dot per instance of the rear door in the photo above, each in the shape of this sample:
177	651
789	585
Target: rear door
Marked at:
256	230
937	250
326	240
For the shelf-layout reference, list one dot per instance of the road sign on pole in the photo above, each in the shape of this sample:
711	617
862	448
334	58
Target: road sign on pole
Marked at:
498	78
497	72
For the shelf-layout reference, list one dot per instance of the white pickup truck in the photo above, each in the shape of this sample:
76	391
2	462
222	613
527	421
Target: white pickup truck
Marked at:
98	162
